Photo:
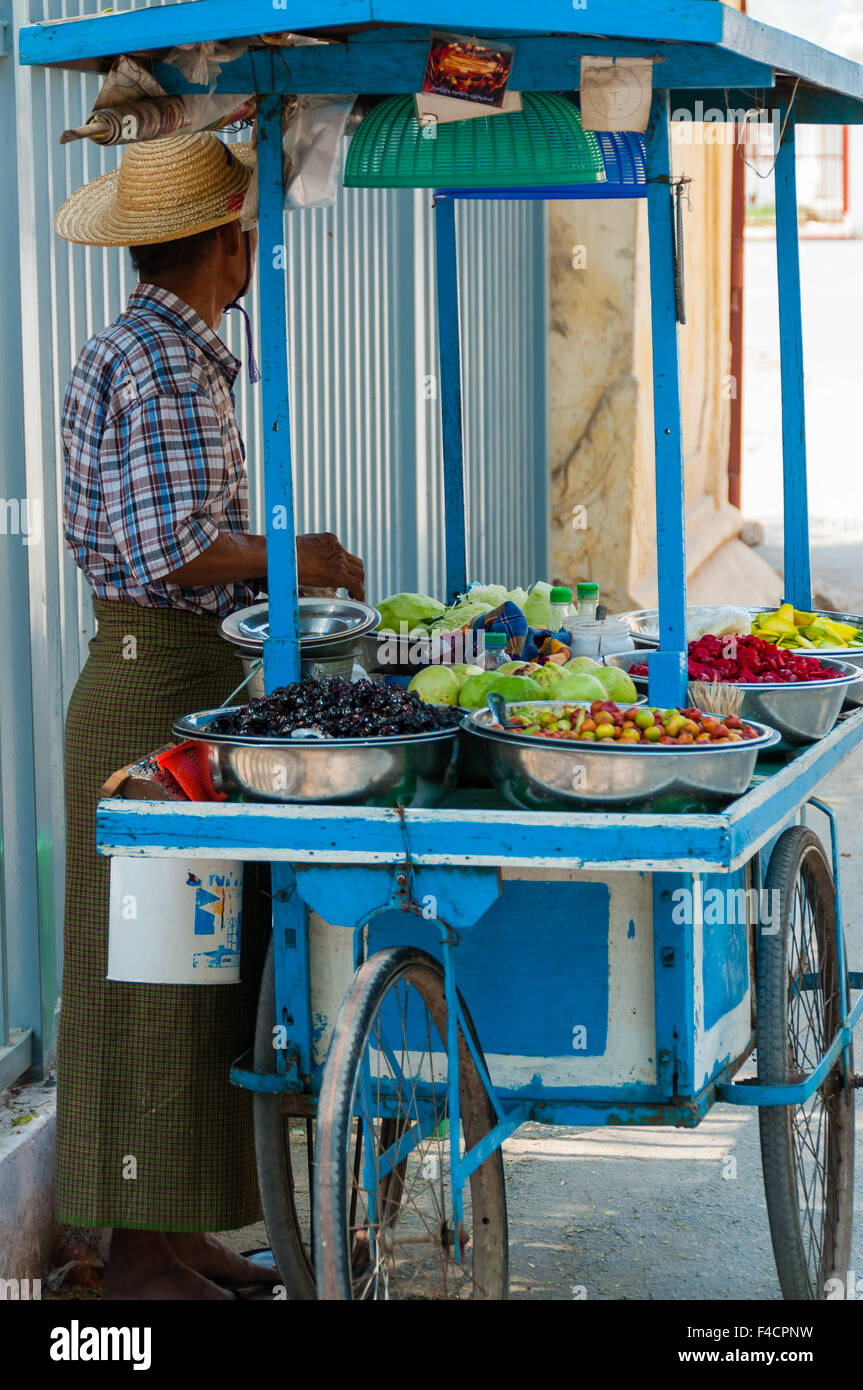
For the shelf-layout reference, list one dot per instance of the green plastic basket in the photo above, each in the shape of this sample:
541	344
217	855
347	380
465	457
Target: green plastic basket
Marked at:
543	144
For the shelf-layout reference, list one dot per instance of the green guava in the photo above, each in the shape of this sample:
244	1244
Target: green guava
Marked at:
618	685
581	685
582	663
549	678
474	691
463	672
436	685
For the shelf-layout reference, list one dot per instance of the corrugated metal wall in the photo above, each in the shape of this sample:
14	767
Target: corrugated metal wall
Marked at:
365	424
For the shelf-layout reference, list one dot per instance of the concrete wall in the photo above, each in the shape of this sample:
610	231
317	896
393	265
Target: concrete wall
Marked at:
600	388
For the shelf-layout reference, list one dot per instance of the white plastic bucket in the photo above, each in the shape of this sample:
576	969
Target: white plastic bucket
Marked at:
175	921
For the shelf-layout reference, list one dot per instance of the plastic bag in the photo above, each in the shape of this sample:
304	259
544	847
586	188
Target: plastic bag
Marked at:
718	622
312	145
201	63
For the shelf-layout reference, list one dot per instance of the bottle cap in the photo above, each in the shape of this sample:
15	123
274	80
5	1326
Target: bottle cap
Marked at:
588	591
561	595
495	640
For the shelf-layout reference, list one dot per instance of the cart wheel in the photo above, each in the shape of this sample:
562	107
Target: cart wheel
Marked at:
388	1047
284	1151
284	1147
807	1151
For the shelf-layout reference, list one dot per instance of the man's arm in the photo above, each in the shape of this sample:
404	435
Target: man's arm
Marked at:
233	556
322	563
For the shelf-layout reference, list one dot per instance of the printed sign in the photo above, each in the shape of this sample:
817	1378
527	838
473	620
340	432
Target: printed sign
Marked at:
468	69
616	93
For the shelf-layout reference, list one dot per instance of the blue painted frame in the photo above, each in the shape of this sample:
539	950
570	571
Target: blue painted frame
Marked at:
798	577
281	651
668	667
701	30
449	346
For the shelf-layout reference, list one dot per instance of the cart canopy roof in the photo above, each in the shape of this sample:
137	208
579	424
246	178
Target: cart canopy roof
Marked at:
704	50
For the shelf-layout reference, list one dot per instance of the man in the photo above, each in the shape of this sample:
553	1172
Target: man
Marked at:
152	1140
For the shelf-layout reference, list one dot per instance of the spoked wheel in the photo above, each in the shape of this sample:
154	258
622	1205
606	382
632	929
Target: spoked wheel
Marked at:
380	1238
808	1150
284	1147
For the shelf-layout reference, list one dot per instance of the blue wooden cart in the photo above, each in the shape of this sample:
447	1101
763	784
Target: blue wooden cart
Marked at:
604	983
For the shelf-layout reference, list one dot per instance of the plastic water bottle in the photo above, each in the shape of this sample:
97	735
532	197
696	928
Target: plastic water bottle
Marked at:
561	607
588	598
495	653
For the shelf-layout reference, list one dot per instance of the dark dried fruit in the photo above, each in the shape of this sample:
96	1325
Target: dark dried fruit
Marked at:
342	709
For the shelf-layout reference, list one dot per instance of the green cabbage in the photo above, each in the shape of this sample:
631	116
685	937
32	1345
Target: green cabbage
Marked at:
417	610
460	614
537	608
492	594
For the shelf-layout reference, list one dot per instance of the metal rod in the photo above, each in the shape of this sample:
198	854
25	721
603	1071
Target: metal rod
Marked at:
453	1083
841	956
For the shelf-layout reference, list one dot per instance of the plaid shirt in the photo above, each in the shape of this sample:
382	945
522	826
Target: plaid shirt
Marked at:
153	455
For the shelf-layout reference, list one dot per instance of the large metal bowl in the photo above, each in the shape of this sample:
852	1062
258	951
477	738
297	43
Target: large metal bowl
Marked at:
329	627
397	655
644	625
802	712
473	767
413	769
536	774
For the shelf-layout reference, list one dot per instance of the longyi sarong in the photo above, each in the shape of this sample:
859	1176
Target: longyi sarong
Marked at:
142	1070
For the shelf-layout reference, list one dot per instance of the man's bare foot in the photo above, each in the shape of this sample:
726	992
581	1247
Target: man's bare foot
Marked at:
143	1265
207	1255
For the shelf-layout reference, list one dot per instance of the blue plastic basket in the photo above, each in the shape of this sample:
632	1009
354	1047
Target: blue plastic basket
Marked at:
625	160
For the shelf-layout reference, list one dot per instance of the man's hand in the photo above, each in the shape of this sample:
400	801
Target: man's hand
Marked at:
323	563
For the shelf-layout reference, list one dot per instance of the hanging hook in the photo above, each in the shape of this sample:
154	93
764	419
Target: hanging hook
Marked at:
679	187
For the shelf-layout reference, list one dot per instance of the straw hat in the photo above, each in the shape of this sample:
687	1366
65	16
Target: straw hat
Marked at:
164	189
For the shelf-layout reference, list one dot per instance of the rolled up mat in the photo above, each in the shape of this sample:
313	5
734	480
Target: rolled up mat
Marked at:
156	116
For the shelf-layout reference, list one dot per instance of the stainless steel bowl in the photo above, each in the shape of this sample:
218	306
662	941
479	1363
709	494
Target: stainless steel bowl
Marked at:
397	655
413	769
381	651
644	625
539	775
803	712
329	627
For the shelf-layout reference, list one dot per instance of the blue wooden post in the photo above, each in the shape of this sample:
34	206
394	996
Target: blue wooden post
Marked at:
668	666
450	398
798	576
291	970
281	651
